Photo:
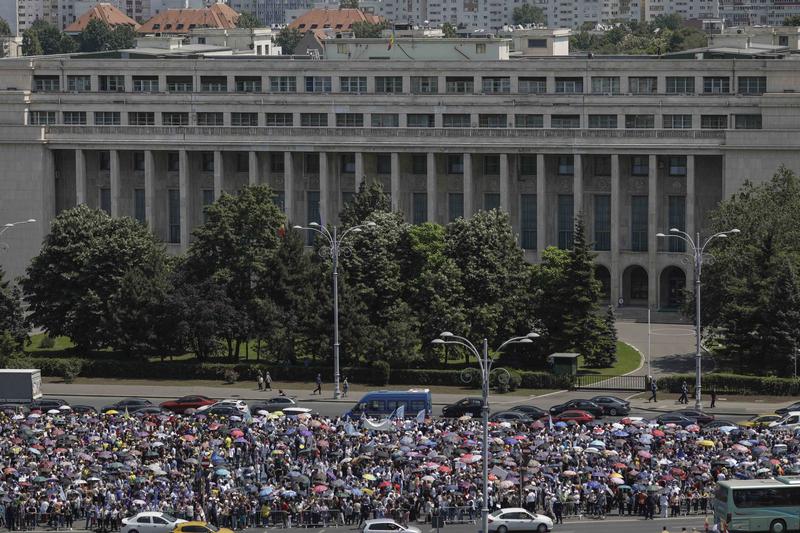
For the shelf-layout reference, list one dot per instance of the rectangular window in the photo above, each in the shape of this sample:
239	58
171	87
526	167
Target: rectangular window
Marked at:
207	161
179	84
642	85
106	118
311	163
602	222
602	121
677	122
716	85
528	214
455	206
529	121
279	119
532	85
456	120
747	122
480	48
640	121
677	165
174	211
46	84
602	165
173	162
242	162
605	85
566	165
248	84
419	164
79	84
277	163
424	84
491	165
111	83
537	43
347	163
752	85
75	118
318	84
527	165
569	85
388	84
314	119
141	118
42	118
383	164
283	84
420	120
640	165
419	209
214	84
680	85
496	85
138	205
175	119
105	200
312	212
138	161
385	120
104	160
492	120
455	164
244	119
566	221
206	200
677	219
639	213
459	85
714	122
565	121
279	198
145	84
353	84
491	200
207	118
349	120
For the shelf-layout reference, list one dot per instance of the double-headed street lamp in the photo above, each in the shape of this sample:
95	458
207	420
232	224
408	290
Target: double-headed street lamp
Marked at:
5	227
696	252
334	248
485	363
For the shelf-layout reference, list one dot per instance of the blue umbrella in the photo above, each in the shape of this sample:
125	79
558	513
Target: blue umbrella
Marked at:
222	472
593	485
356	492
289	494
621	434
597	444
265	492
560	424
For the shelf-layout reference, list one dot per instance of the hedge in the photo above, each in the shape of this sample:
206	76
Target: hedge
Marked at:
110	368
734	384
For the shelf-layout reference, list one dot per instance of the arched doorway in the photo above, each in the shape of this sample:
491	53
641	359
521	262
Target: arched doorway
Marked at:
634	283
672	286
604	277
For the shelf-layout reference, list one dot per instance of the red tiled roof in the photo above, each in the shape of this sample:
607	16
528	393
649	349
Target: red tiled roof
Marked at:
335	19
182	20
105	12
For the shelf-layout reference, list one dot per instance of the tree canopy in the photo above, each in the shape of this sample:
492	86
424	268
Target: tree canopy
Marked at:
98	36
5	29
287	39
13	331
248	20
448	30
44	38
792	20
528	14
667	33
367	30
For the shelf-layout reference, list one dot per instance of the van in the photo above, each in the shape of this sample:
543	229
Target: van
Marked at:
384	403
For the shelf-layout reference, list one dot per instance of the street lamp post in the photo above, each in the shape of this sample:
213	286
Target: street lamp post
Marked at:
334	248
485	363
696	251
5	227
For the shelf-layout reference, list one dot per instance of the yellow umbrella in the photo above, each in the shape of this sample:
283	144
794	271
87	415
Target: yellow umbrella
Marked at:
706	443
616	474
369	477
368	492
112	412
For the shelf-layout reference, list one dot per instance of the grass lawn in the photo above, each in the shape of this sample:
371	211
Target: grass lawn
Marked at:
628	360
61	344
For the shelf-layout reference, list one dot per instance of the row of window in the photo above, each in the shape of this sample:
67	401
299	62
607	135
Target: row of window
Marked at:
607	85
392	120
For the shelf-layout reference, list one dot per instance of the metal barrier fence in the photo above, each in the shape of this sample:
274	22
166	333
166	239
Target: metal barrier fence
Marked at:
601	382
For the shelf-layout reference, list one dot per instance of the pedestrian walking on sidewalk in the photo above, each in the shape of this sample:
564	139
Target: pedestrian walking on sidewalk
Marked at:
319	385
653	389
260	382
713	396
267	380
345	388
684	393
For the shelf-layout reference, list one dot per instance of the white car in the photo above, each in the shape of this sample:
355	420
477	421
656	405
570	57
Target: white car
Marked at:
150	522
240	405
790	420
385	524
518	519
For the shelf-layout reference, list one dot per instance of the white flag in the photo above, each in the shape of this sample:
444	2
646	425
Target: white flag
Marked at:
400	413
550	421
421	417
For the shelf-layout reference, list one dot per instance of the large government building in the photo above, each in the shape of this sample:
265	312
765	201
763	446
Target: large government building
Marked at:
636	145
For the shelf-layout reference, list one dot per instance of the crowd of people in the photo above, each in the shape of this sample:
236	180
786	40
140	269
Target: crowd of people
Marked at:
63	470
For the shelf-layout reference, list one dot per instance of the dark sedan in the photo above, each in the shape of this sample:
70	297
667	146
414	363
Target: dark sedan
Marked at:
701	417
530	410
612	405
45	404
510	416
187	402
678	420
278	403
578	405
129	404
465	406
793	407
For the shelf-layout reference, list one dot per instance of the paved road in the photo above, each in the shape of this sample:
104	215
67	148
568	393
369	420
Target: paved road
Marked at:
671	346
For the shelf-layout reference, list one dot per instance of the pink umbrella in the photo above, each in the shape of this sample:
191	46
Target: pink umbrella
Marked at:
644	454
320	489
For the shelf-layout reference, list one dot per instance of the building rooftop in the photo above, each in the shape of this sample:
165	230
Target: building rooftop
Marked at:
335	19
105	12
180	21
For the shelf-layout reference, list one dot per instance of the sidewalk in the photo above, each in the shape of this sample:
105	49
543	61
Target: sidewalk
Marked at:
726	406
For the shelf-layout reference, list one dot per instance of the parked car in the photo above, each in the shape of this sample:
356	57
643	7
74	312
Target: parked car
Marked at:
199	527
574	415
465	406
530	410
84	410
701	417
677	419
45	404
130	404
793	407
716	424
518	519
151	410
187	402
581	405
150	522
509	416
385	524
278	403
790	420
760	421
239	405
613	406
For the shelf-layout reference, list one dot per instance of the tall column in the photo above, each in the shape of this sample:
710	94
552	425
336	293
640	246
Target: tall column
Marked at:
218	174
431	187
252	168
616	279
505	185
115	182
183	186
325	211
149	189
690	196
80	177
359	171
577	185
541	205
288	185
652	229
469	186
395	181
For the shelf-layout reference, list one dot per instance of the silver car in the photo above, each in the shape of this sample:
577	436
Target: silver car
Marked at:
518	519
150	522
385	524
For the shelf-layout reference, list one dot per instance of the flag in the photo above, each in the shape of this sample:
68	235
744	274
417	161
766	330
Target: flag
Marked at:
391	41
421	417
550	421
127	415
282	231
400	412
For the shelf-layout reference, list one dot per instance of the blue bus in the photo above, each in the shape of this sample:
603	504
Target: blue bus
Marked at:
385	402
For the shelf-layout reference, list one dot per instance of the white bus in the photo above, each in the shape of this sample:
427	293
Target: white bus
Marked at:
758	505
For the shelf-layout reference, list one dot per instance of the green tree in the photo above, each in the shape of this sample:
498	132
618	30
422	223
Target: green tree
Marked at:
51	40
528	14
121	38
12	319
287	39
792	20
95	37
348	4
5	29
368	30
449	30
248	20
368	200
31	45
